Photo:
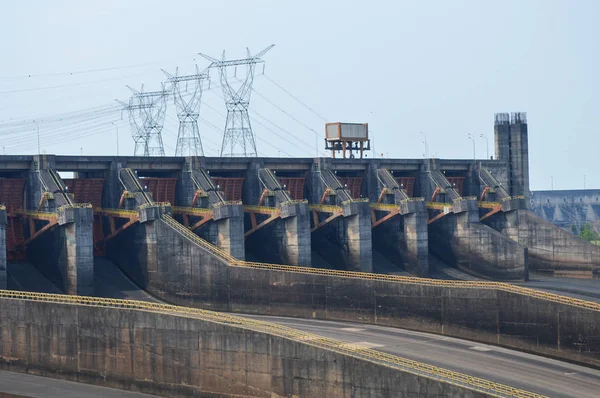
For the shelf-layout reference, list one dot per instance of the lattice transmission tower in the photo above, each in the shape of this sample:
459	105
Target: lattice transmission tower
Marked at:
147	116
238	137
189	142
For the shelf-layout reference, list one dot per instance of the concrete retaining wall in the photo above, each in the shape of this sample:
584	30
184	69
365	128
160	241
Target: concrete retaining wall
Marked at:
477	248
550	248
183	357
189	275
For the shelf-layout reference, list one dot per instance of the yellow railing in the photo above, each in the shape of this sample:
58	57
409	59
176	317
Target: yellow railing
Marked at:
384	277
416	199
190	210
489	205
464	198
154	204
261	209
295	202
360	200
380	358
227	202
383	206
438	205
74	206
38	214
118	212
513	197
325	208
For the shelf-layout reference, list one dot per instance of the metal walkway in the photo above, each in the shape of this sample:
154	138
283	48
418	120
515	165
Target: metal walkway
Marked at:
271	183
331	181
388	181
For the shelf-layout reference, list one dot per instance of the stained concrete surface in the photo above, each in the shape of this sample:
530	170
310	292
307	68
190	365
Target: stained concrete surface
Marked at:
31	386
526	371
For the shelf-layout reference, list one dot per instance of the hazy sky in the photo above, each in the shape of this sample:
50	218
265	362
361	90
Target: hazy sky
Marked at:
440	67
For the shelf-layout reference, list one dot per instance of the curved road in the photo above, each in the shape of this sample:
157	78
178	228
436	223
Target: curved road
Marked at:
514	368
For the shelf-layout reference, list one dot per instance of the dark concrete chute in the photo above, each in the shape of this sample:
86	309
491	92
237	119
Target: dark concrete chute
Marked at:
459	238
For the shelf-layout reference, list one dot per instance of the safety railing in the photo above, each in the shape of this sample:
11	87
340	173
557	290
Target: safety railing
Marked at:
294	202
117	212
506	287
190	210
464	198
74	206
325	208
154	204
377	357
228	202
360	200
491	181
517	197
438	205
37	214
489	205
416	199
261	209
382	206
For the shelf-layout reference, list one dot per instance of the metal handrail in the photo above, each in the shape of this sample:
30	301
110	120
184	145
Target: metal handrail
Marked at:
373	356
74	206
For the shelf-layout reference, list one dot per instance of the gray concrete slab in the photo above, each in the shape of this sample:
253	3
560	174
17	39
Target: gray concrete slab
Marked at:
31	386
517	369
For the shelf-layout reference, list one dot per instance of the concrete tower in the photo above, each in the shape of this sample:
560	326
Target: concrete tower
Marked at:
510	139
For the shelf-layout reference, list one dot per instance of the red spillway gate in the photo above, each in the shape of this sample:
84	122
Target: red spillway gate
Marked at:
89	190
458	183
231	187
408	184
295	186
11	196
352	184
162	189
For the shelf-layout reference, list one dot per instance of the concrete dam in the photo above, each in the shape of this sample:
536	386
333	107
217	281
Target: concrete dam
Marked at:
369	241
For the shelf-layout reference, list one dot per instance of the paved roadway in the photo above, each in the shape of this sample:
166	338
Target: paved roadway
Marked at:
529	372
30	386
513	368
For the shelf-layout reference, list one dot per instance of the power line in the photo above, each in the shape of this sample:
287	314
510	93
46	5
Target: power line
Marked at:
295	98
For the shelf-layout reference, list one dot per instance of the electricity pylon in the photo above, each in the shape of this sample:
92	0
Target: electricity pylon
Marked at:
146	117
189	142
238	137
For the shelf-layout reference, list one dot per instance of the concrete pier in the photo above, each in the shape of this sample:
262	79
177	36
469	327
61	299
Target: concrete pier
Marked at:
294	239
65	253
229	220
344	242
404	237
461	239
356	239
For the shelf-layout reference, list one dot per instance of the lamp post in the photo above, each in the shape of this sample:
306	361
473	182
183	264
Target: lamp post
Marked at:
487	146
473	140
426	145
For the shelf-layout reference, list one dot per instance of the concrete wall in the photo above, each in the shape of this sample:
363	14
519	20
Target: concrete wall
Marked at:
460	239
189	275
183	357
568	208
551	249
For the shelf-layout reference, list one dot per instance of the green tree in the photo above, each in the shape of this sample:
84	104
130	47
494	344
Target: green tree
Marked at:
587	232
